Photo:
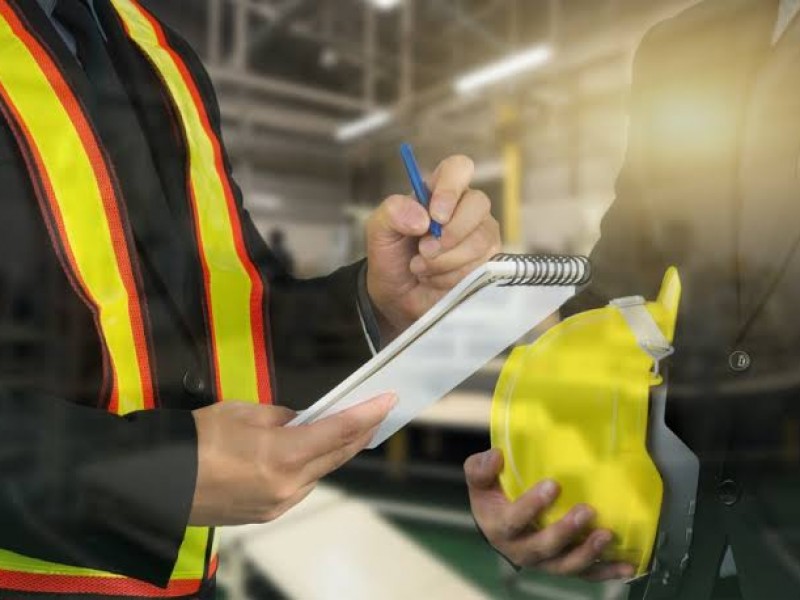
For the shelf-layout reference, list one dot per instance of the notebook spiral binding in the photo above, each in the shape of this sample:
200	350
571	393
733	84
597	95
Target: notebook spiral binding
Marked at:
542	269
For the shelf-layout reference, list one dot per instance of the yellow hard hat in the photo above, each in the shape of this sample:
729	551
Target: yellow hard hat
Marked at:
584	406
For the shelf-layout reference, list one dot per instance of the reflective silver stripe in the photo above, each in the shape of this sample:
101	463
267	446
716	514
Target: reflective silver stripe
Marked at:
644	327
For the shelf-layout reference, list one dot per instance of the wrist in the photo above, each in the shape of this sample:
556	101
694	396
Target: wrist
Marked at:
205	510
387	327
379	326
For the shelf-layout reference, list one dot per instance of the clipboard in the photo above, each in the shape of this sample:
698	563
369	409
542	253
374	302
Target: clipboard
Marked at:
485	313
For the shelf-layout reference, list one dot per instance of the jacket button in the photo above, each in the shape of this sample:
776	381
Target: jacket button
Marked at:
728	492
194	383
739	361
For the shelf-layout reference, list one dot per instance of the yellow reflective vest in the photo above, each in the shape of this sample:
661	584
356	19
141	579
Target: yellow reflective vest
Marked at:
81	204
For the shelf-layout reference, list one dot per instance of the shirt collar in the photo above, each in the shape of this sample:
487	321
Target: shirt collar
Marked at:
787	12
47	6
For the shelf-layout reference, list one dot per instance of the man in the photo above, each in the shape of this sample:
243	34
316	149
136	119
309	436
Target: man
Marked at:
144	348
148	331
711	184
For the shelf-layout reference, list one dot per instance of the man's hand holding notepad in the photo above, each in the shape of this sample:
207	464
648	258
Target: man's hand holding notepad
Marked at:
484	314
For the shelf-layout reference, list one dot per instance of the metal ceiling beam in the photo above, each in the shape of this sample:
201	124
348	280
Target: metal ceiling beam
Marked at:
407	53
262	36
286	89
470	24
278	118
214	32
265	10
572	58
370	42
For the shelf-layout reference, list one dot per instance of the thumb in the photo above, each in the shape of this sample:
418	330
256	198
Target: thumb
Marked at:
398	217
482	469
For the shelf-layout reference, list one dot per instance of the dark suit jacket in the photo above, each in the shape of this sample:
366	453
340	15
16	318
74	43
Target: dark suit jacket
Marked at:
78	485
711	184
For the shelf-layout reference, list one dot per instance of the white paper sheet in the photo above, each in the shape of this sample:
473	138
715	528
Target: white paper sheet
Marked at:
428	361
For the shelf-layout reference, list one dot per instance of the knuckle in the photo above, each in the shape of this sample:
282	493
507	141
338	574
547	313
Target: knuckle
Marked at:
338	458
549	545
445	282
290	461
399	205
482	240
372	221
394	208
482	202
491	529
497	233
470	466
265	475
395	201
283	493
494	231
350	430
511	527
462	161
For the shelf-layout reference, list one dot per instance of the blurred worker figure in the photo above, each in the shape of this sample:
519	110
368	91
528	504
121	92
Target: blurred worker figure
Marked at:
146	359
283	256
711	184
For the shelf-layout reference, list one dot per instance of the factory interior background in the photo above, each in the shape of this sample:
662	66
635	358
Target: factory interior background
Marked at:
316	97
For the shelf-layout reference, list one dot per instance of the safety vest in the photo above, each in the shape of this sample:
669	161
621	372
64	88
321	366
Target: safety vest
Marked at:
85	214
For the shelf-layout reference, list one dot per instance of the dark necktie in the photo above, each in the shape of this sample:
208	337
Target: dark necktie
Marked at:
91	51
122	134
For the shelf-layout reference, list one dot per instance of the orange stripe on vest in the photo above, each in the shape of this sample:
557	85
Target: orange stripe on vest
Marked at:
235	293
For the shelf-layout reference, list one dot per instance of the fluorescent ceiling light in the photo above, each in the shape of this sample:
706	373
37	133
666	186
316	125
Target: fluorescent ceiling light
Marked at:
385	5
514	64
265	201
364	125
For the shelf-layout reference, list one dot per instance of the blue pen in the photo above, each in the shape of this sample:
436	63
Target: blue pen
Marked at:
421	190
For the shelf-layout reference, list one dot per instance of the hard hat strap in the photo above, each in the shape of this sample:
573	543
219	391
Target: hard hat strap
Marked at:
644	327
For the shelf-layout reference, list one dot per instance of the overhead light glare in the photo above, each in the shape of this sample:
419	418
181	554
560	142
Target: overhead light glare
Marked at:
514	64
364	125
265	200
385	5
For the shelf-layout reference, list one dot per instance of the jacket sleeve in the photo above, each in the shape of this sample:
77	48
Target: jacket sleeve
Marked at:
316	333
625	261
77	485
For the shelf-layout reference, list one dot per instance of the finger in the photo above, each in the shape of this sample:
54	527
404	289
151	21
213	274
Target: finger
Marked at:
479	246
449	182
608	571
472	211
521	515
582	557
553	539
327	435
447	281
481	470
396	218
324	465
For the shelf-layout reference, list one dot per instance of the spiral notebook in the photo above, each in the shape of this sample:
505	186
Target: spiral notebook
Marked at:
488	311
